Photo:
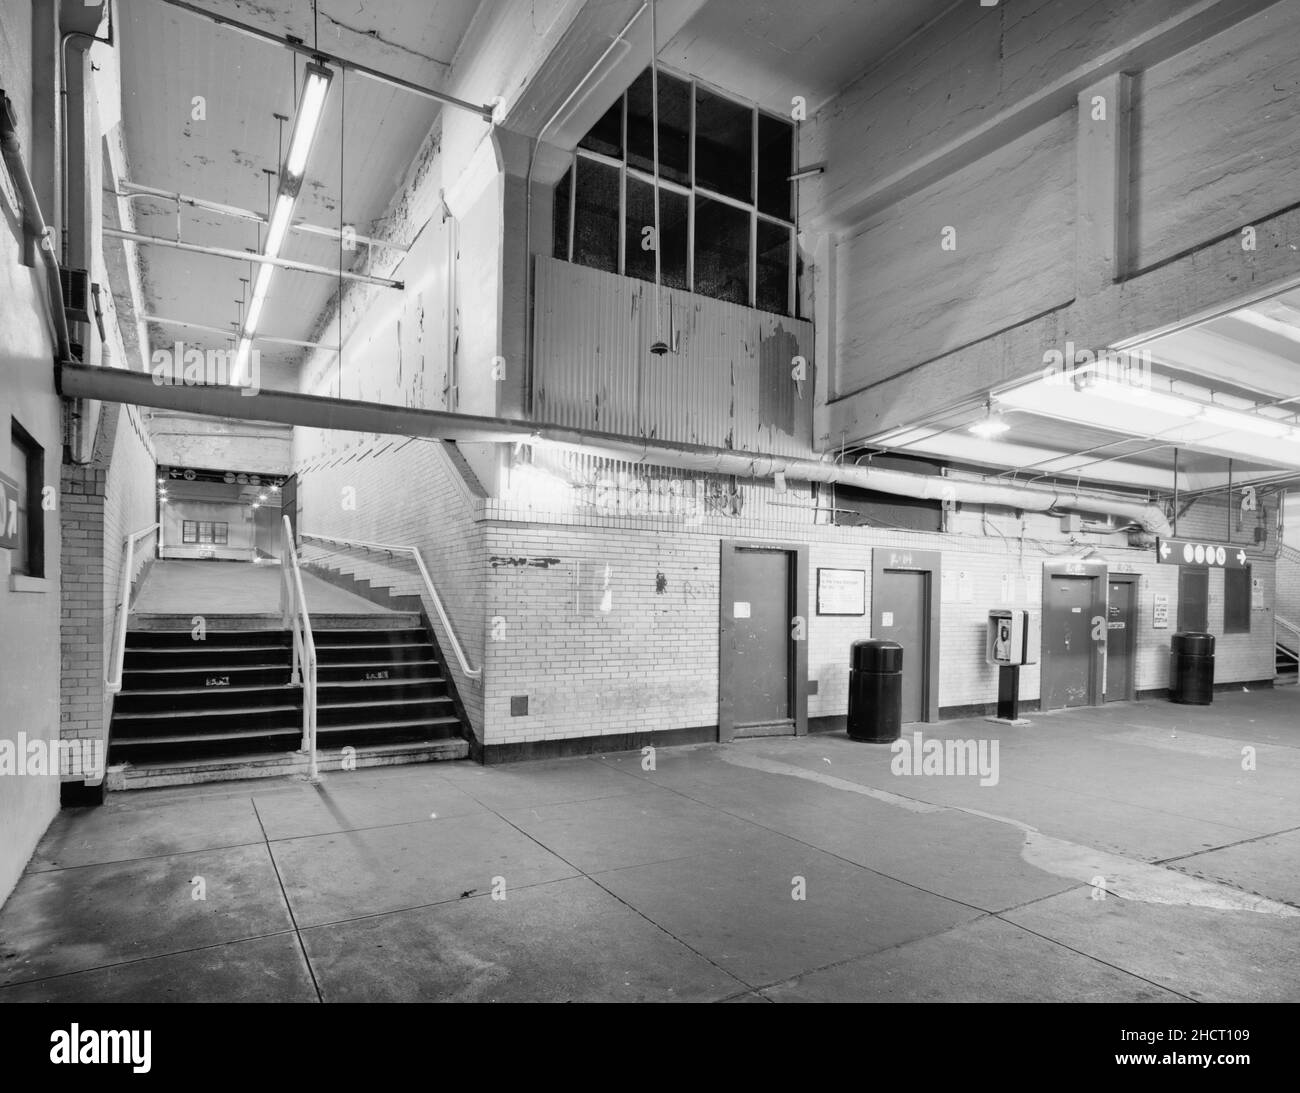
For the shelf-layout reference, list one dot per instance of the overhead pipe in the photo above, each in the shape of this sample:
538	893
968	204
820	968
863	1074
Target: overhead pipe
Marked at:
351	415
35	223
250	256
486	111
132	190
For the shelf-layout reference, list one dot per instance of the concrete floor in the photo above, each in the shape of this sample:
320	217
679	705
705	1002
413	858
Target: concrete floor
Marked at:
228	588
676	884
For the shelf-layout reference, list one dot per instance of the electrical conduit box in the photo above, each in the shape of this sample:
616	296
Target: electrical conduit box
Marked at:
1013	637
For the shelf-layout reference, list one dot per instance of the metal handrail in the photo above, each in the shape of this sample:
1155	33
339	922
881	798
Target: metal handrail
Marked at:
293	609
465	666
1286	650
117	655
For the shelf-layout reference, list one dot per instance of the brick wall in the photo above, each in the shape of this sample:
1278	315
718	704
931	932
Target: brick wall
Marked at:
101	504
528	586
413	493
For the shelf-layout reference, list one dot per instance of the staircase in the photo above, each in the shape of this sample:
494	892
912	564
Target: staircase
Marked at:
1286	666
224	707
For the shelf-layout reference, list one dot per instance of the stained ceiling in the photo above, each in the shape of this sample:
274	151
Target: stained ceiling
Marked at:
199	106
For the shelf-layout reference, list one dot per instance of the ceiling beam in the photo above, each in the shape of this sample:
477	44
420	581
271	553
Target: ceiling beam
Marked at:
134	189
234	333
250	256
486	112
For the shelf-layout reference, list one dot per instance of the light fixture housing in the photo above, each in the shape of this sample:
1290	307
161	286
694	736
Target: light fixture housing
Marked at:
993	424
311	107
306	124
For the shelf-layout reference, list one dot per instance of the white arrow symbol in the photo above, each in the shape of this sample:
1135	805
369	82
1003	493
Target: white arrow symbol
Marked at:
1164	549
1241	557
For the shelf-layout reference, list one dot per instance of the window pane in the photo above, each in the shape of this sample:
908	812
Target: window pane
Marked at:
775	165
721	251
674	127
606	136
1193	599
773	268
1236	601
560	217
724	146
19	559
596	216
674	210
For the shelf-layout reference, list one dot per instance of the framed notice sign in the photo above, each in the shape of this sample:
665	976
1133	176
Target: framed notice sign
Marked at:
1160	612
841	591
9	503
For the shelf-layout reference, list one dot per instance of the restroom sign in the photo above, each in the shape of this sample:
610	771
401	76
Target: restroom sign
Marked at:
1207	555
9	502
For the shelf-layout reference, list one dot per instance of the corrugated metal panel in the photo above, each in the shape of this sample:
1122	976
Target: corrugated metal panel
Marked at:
729	384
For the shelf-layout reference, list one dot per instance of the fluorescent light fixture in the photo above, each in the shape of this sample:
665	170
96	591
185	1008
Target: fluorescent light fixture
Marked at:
1144	397
310	109
280	219
991	425
241	359
1245	422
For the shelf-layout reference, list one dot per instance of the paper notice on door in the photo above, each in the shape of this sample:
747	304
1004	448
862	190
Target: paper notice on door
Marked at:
741	610
886	618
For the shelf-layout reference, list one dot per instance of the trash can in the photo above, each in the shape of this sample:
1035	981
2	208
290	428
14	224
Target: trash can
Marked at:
875	691
1191	669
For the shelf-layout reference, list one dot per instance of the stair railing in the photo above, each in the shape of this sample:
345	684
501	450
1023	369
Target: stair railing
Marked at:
117	654
1291	650
465	666
293	610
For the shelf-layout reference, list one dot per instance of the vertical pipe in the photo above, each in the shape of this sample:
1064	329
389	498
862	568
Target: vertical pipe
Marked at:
1175	493
1227	510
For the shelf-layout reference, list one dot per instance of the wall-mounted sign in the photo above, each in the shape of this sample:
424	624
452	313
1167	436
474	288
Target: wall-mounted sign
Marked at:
1257	593
1209	555
1159	612
841	591
9	522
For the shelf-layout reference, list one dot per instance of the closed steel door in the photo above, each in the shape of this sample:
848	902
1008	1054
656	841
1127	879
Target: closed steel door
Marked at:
1120	621
760	638
902	609
1067	642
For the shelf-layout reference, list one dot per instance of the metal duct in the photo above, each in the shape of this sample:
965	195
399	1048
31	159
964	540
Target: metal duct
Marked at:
315	411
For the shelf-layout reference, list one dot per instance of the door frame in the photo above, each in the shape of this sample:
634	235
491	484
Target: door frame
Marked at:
797	651
916	561
1135	580
1099	573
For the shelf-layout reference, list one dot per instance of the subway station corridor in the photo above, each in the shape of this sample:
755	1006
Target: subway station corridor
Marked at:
650	500
1122	855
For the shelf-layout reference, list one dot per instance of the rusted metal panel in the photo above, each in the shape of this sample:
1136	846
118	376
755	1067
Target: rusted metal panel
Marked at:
728	379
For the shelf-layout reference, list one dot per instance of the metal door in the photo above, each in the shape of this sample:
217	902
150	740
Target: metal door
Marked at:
902	614
1068	648
1121	619
761	620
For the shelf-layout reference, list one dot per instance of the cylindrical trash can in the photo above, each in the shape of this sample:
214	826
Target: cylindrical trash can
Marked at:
875	691
1191	669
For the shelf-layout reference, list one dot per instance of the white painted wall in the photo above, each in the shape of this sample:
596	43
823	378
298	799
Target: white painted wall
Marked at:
29	620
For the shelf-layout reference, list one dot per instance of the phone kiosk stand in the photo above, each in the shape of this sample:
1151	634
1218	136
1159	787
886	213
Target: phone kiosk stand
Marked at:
1013	639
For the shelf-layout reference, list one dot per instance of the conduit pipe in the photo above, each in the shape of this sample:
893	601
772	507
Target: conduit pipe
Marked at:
315	411
35	224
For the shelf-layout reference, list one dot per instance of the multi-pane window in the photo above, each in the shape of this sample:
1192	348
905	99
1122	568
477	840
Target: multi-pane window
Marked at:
726	203
206	532
27	458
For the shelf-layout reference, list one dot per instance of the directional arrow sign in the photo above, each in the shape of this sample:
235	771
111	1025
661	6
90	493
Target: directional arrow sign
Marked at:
1199	553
